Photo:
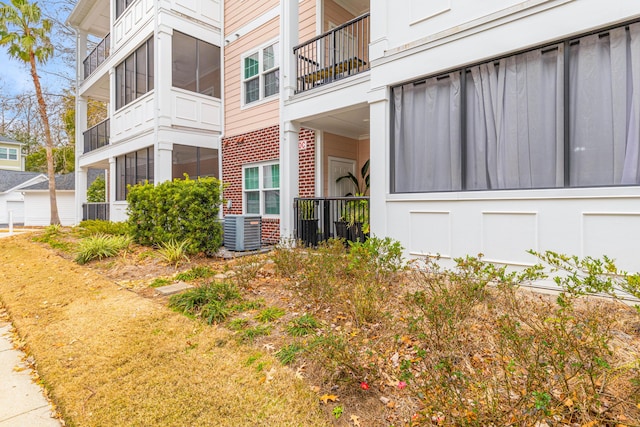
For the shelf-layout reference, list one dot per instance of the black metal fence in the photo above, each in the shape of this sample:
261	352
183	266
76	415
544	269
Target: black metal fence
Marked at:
97	136
95	211
97	56
318	219
339	53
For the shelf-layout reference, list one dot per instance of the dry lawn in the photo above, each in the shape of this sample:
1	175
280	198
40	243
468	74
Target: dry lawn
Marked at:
108	356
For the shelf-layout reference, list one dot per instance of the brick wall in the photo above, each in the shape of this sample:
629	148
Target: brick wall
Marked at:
260	146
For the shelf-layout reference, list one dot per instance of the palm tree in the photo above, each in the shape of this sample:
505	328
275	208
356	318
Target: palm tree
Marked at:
26	35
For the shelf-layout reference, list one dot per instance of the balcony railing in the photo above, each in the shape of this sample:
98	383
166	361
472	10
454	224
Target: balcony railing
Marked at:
319	219
339	53
97	56
97	136
95	211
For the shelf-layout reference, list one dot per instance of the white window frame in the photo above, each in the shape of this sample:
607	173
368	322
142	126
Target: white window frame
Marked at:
261	74
261	188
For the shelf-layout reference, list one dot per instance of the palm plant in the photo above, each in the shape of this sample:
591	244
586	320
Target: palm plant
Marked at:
26	35
361	185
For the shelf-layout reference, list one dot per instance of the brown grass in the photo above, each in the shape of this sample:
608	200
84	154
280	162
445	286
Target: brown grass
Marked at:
110	357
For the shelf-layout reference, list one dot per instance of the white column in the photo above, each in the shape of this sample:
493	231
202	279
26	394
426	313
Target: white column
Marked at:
111	194
378	28
379	159
289	29
81	191
163	162
289	176
163	65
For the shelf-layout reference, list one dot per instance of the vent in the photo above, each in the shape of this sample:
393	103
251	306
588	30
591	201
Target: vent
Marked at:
242	232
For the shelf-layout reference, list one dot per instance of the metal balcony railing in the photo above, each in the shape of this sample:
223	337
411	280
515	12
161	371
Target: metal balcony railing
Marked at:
318	219
97	136
95	211
97	56
339	53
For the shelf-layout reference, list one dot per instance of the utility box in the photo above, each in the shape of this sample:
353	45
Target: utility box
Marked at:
242	232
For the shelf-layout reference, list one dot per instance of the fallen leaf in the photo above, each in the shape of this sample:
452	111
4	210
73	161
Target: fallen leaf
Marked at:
355	420
328	397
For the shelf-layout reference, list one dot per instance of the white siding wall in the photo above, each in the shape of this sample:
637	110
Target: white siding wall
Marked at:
37	210
413	39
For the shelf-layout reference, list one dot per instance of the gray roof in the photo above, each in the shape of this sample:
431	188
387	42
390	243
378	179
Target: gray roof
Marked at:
63	182
12	179
9	140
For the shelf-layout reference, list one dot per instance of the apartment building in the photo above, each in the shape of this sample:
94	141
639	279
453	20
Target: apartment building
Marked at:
491	127
495	127
157	65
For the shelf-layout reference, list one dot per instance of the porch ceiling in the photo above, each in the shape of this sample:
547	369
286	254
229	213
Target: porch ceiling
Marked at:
99	89
355	7
350	123
91	16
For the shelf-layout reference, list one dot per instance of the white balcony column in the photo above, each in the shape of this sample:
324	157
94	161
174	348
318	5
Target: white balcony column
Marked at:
378	28
163	162
81	191
289	176
289	30
163	65
379	165
112	181
81	54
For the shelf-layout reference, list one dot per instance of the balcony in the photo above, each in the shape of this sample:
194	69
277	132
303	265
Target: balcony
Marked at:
97	56
334	55
97	136
320	218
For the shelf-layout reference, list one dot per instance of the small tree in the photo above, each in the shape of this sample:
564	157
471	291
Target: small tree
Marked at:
26	36
96	192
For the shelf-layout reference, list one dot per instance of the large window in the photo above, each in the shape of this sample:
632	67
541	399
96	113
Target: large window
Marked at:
261	189
8	153
530	120
194	161
133	168
134	76
260	74
196	65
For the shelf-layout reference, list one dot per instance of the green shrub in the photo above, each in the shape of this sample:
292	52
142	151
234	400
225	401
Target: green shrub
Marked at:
177	210
100	246
288	354
98	226
303	325
96	191
211	302
270	314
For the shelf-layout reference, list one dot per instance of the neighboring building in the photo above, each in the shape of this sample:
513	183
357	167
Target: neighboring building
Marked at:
12	184
496	126
158	67
11	157
37	207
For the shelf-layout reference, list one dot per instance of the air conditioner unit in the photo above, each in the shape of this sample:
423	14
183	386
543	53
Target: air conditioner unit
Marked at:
242	232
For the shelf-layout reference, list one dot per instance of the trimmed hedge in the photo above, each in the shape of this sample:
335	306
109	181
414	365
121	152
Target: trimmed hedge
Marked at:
182	209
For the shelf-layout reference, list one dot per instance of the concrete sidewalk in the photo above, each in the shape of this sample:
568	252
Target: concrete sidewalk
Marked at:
22	402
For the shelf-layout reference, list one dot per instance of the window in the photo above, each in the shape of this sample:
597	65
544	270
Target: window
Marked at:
8	153
261	188
195	65
525	121
133	168
194	161
121	6
134	76
261	74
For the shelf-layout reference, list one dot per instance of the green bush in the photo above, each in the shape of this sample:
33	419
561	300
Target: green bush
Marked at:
97	226
96	191
211	302
100	246
177	210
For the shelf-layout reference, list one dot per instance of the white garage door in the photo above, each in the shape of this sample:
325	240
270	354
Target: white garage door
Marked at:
17	207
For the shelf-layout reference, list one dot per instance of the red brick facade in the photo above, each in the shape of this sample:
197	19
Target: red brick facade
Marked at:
261	146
